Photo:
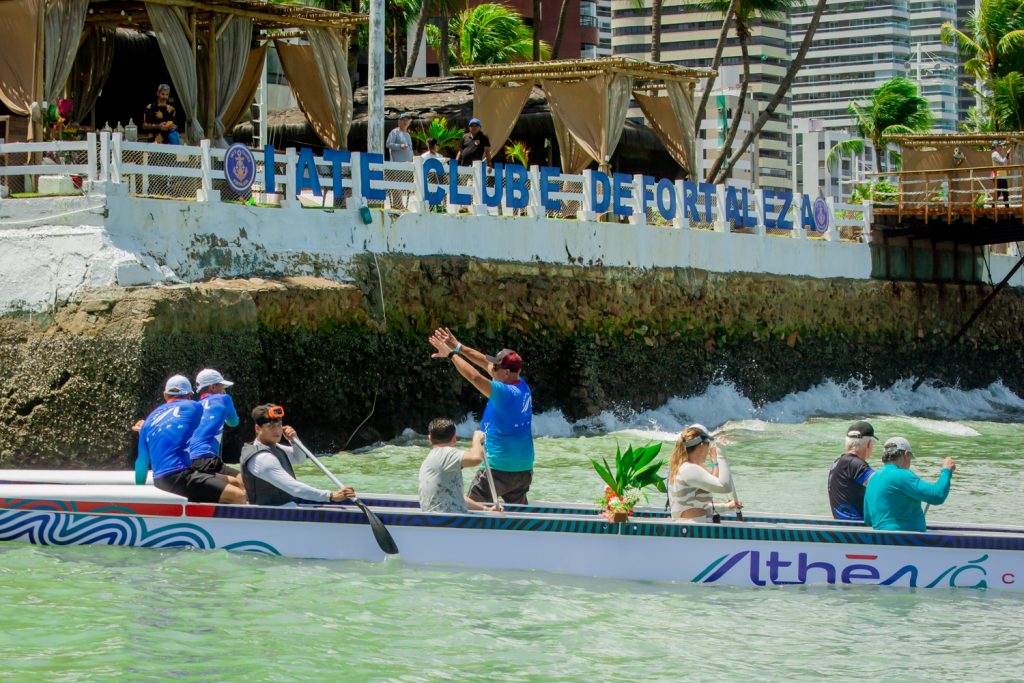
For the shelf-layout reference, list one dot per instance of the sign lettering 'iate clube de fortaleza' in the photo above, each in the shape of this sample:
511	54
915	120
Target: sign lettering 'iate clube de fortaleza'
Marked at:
517	187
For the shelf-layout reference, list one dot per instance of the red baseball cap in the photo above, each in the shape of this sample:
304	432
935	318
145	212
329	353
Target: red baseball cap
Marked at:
507	359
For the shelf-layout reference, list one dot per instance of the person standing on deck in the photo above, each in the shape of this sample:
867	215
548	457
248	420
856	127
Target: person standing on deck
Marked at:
892	501
163	442
268	466
850	473
218	411
507	419
475	145
1000	155
440	484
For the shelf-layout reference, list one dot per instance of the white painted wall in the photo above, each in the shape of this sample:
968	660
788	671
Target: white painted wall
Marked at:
51	248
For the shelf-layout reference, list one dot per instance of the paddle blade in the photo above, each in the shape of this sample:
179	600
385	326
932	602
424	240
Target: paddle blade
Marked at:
380	532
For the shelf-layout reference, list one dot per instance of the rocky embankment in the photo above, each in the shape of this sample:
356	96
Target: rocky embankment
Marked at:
593	338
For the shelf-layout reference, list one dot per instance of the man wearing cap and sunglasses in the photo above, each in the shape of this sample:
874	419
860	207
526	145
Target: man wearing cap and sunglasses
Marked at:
475	145
218	411
850	473
268	466
507	420
894	495
163	442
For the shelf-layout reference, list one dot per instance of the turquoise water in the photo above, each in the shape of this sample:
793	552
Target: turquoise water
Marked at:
97	613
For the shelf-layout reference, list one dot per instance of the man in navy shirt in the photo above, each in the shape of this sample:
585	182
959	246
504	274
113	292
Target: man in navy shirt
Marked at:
850	473
507	419
163	443
218	411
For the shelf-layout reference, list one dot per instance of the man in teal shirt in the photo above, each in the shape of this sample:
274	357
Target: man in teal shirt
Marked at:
892	500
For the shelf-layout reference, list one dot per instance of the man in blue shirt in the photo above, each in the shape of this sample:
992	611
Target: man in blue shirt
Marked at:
507	420
163	443
894	494
218	410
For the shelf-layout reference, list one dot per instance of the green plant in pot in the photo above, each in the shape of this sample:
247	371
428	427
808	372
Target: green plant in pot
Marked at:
635	470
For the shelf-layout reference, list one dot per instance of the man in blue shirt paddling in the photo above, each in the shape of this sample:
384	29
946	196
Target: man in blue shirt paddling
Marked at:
894	494
507	419
218	411
163	442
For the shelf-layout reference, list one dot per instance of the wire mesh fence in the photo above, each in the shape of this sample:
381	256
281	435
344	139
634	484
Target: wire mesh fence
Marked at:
169	175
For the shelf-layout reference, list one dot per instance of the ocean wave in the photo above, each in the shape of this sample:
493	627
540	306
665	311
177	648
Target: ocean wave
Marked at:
935	408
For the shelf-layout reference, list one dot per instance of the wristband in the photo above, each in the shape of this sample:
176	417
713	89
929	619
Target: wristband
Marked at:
713	465
458	347
450	354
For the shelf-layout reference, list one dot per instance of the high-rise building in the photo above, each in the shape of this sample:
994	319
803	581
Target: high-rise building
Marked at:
934	66
688	38
966	97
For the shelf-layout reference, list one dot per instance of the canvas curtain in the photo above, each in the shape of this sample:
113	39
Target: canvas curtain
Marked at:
659	113
92	65
234	36
176	47
593	111
330	48
64	22
246	92
18	28
330	120
574	158
498	107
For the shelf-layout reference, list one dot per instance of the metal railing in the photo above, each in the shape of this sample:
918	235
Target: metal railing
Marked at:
196	173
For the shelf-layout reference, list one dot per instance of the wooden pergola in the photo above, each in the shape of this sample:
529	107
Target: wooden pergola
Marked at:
919	140
589	100
579	69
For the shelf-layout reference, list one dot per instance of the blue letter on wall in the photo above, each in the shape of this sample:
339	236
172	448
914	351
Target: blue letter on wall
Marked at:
548	188
493	198
269	183
337	157
621	191
667	209
516	195
807	213
306	176
454	196
371	179
435	196
690	202
601	203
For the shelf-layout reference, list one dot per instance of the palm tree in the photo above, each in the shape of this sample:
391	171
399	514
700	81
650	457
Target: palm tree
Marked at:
990	45
709	84
535	52
744	12
780	93
895	107
423	12
1008	102
487	34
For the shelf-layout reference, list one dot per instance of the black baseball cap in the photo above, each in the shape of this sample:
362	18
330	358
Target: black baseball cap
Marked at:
860	429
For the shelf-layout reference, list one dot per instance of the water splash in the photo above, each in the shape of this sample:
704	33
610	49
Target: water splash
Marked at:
934	407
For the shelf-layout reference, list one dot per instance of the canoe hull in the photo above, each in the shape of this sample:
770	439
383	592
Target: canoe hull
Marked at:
732	553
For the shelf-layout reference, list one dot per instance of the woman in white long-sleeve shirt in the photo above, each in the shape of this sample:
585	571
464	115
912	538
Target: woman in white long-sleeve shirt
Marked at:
690	483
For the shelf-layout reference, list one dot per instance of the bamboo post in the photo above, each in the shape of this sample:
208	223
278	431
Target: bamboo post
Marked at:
211	78
927	199
375	90
970	197
899	207
949	197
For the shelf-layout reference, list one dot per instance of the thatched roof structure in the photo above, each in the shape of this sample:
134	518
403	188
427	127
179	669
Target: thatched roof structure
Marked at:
955	139
265	15
580	69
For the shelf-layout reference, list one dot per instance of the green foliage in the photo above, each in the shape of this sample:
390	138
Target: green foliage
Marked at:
636	468
487	34
895	107
447	137
517	152
879	191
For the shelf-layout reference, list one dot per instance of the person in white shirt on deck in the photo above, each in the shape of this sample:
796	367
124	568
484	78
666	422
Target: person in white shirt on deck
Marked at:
268	467
1000	155
432	152
690	483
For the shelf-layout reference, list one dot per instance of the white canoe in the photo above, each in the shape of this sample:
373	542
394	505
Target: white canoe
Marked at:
750	553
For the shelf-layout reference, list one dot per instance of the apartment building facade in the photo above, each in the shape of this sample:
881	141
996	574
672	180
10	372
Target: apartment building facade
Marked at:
688	38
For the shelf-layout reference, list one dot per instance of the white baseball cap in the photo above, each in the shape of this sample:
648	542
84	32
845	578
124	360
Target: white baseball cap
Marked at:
178	385
209	376
897	445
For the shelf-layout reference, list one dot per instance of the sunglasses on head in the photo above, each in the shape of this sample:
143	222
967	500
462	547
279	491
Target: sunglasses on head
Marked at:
274	414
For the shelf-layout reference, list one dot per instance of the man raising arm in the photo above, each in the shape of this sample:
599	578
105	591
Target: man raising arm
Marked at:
507	419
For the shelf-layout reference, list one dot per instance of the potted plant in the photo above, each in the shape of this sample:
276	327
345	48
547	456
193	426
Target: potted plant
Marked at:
635	470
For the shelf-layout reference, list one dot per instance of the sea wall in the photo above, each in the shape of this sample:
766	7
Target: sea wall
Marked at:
593	338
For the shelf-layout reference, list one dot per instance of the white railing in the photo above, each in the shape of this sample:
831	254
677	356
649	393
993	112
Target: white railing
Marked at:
196	173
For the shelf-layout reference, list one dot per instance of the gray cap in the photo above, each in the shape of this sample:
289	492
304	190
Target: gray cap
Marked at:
895	447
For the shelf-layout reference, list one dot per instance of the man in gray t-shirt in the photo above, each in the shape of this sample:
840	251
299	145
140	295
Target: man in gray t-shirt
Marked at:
441	487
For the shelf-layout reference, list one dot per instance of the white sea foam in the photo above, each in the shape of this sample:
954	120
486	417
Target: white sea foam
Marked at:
932	408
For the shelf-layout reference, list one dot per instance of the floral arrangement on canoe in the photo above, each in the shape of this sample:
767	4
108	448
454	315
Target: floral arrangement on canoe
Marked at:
635	470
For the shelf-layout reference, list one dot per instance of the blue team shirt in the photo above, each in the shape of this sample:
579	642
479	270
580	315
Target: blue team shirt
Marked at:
508	423
218	410
163	440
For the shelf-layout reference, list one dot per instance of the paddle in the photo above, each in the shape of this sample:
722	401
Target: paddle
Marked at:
490	480
380	532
